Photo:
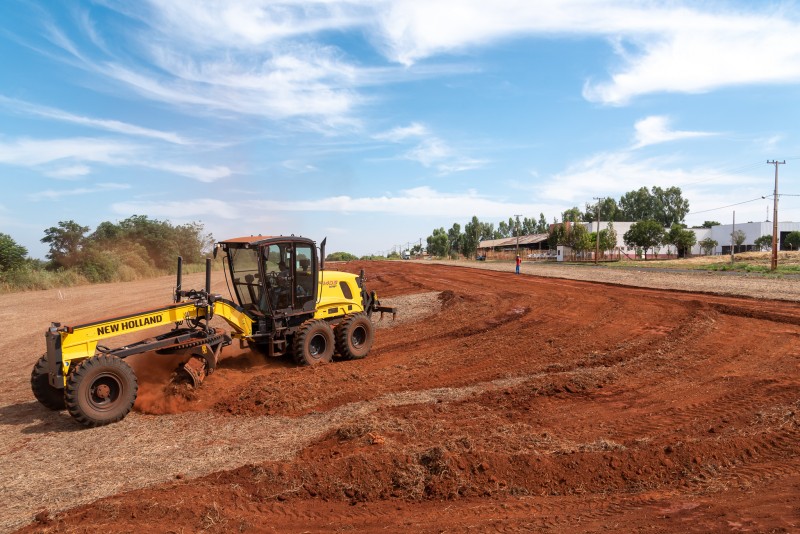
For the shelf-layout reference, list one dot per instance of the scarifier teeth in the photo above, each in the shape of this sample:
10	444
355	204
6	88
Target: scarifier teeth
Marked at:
195	369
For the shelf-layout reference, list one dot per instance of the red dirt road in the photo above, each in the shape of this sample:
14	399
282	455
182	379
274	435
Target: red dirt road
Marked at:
522	404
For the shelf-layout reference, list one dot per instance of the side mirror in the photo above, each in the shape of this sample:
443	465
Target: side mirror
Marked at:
216	249
322	254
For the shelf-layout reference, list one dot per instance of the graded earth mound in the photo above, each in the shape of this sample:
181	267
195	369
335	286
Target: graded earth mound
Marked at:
495	402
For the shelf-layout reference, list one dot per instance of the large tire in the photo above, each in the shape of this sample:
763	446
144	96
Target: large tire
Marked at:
50	397
101	390
314	343
354	337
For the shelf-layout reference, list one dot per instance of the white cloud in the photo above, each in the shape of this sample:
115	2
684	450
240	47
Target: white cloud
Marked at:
662	45
430	151
32	152
615	173
655	129
268	58
401	133
410	203
69	173
435	153
697	52
196	172
51	194
20	106
254	23
36	153
181	209
298	166
420	201
769	144
305	80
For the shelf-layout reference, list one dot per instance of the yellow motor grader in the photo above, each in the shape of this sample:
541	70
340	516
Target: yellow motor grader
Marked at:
285	303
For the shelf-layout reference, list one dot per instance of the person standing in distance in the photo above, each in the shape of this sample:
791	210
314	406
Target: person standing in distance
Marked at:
519	261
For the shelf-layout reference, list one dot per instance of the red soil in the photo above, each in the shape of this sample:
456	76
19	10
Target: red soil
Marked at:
525	404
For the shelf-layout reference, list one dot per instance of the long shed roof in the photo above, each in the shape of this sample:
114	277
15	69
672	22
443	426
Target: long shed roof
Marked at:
530	239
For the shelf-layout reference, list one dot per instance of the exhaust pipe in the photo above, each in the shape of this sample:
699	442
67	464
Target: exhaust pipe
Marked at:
178	283
208	276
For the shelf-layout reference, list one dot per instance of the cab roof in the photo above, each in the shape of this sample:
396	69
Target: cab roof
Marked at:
255	240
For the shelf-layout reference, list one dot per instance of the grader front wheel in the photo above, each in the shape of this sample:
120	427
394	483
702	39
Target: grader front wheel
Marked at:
101	390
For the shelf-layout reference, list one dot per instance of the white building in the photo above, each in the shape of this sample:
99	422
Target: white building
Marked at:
721	234
752	231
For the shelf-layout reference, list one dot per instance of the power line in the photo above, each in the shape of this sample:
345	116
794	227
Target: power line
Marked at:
729	205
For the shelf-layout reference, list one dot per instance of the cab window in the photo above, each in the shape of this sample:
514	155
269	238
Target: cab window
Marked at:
304	275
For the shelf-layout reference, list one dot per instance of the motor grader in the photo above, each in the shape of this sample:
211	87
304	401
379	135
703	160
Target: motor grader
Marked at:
285	303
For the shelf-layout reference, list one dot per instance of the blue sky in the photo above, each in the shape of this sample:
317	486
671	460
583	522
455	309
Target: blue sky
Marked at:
372	122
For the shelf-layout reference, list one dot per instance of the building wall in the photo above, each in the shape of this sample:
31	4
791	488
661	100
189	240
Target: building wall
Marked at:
752	231
721	234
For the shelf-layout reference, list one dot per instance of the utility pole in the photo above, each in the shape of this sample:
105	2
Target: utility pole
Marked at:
774	263
517	216
733	235
597	241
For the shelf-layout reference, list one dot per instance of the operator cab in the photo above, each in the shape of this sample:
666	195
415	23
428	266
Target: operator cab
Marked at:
273	275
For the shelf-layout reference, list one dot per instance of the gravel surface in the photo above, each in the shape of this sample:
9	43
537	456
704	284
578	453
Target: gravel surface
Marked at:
722	283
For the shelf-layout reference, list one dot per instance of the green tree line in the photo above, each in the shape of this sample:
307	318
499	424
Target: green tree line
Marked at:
665	206
136	247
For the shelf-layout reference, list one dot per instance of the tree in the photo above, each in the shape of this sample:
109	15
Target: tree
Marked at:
507	229
708	224
577	237
669	206
487	231
570	234
455	238
608	237
708	245
572	215
541	226
636	205
12	255
737	237
475	232
557	235
340	256
527	226
792	239
106	231
764	242
438	244
608	210
65	242
580	239
504	230
682	239
644	234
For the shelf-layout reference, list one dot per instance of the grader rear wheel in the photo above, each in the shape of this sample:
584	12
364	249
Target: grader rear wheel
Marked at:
50	397
354	337
101	390
314	343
